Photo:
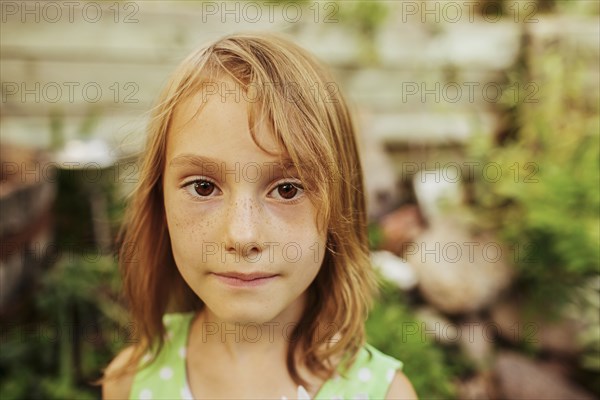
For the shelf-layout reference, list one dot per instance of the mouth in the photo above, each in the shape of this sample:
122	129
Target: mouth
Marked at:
237	279
246	277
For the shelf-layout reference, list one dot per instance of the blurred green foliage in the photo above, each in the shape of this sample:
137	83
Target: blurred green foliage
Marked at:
546	203
365	17
72	333
543	196
394	330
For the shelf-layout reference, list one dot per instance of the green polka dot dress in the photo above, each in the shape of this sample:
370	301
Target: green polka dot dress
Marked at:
368	378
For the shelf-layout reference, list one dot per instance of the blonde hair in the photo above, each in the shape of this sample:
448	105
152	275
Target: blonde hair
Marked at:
311	121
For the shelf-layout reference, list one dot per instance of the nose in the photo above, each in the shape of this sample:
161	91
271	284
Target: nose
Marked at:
242	231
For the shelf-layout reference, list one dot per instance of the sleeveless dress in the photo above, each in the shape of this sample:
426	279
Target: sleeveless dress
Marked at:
166	377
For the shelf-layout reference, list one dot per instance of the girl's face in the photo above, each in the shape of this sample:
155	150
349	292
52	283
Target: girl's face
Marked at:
234	213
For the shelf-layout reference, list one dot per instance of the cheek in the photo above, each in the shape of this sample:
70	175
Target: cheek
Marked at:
294	223
304	249
298	241
185	217
187	230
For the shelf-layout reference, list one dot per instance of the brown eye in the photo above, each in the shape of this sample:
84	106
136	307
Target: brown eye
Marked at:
204	188
287	190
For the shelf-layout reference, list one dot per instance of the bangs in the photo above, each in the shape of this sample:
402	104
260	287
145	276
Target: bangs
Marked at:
289	93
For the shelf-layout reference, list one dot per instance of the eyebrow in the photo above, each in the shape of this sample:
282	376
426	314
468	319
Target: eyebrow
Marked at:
209	163
195	160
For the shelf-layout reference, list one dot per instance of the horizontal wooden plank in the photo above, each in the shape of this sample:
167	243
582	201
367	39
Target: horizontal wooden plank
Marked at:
149	31
430	128
123	132
43	87
36	88
126	132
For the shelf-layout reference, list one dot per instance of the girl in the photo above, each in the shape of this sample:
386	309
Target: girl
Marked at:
244	254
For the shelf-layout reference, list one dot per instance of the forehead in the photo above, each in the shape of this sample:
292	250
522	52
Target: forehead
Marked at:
219	122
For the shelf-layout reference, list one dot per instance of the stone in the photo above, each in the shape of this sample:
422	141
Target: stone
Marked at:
394	269
478	387
560	337
506	316
400	227
458	273
476	342
519	377
445	331
554	336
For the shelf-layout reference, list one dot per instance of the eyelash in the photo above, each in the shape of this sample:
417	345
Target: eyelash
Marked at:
188	187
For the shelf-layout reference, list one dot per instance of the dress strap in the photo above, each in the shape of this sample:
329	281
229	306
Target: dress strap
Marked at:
165	378
368	378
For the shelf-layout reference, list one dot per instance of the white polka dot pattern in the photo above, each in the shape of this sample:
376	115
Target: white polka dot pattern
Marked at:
186	393
390	375
364	375
166	373
146	394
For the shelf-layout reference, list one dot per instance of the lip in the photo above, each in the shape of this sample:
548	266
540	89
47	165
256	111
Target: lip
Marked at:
245	280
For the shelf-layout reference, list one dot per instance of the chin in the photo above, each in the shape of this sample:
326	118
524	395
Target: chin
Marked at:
245	315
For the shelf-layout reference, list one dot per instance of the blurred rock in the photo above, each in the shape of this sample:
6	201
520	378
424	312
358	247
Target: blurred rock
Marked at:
400	227
476	342
445	331
478	387
506	315
458	273
395	269
556	366
558	337
521	378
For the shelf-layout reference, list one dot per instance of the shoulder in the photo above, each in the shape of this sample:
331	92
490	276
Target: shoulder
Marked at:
401	388
118	386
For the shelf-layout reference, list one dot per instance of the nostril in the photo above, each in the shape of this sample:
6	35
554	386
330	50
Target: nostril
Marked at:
245	249
232	247
382	196
252	247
